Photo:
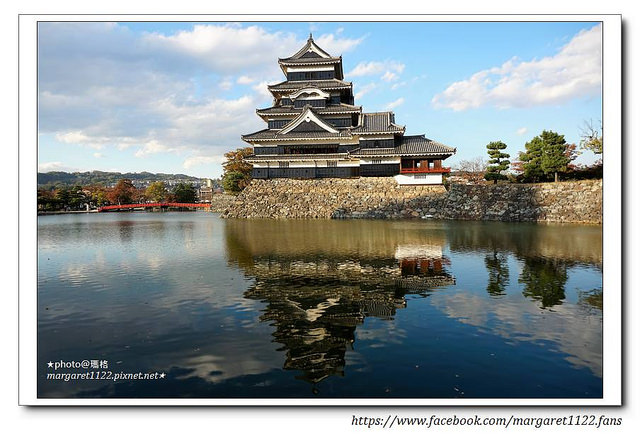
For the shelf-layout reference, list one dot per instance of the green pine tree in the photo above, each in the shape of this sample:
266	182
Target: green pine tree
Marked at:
184	193
498	269
545	155
498	162
234	182
544	279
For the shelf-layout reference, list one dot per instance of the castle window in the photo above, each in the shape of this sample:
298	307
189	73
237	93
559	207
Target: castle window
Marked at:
283	164
277	124
299	103
340	122
377	161
310	75
332	164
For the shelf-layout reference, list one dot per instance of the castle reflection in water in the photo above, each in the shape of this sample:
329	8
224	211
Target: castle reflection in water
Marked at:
318	289
320	283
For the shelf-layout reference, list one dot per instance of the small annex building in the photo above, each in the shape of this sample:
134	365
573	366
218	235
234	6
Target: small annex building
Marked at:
314	130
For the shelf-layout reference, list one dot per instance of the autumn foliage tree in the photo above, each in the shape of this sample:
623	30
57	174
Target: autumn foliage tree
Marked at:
72	197
98	195
156	192
47	200
571	152
124	192
237	172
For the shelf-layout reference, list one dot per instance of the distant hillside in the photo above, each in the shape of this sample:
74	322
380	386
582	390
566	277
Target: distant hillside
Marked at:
52	179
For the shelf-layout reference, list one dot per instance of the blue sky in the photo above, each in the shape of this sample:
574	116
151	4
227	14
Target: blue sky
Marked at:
174	97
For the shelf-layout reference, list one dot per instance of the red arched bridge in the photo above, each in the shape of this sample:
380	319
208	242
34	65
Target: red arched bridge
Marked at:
153	205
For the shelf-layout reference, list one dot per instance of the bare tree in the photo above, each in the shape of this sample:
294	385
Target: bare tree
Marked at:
472	170
591	137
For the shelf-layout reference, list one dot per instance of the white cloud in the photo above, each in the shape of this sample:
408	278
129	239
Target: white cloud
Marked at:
226	48
55	166
226	84
212	121
395	103
98	155
337	46
397	85
262	90
234	49
125	143
243	79
522	131
574	72
375	68
389	76
364	90
154	147
80	138
520	321
72	137
201	159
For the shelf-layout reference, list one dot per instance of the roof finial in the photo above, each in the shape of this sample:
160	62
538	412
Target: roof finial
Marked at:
310	36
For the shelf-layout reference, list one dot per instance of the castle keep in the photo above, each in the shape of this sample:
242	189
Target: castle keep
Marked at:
314	130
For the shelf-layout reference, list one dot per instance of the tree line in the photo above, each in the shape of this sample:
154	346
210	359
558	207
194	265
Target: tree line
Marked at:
58	179
547	157
78	197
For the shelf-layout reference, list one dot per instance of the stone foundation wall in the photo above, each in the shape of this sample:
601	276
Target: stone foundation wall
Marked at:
383	198
575	202
328	198
221	202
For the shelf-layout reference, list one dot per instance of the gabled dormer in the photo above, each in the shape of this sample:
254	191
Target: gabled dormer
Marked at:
310	96
307	121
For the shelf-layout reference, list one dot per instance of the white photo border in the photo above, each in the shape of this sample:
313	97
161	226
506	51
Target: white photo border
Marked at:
611	227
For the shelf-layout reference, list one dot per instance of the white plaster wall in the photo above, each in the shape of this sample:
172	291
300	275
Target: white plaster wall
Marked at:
429	179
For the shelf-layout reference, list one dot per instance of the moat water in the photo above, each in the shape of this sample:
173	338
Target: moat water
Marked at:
318	308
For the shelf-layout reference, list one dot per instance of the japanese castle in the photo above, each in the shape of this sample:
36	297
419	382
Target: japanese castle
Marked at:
314	130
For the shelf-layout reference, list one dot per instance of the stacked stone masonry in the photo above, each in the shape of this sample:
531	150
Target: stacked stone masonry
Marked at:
221	202
383	198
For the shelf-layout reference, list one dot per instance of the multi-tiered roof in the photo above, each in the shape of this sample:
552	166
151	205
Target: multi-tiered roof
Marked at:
313	114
